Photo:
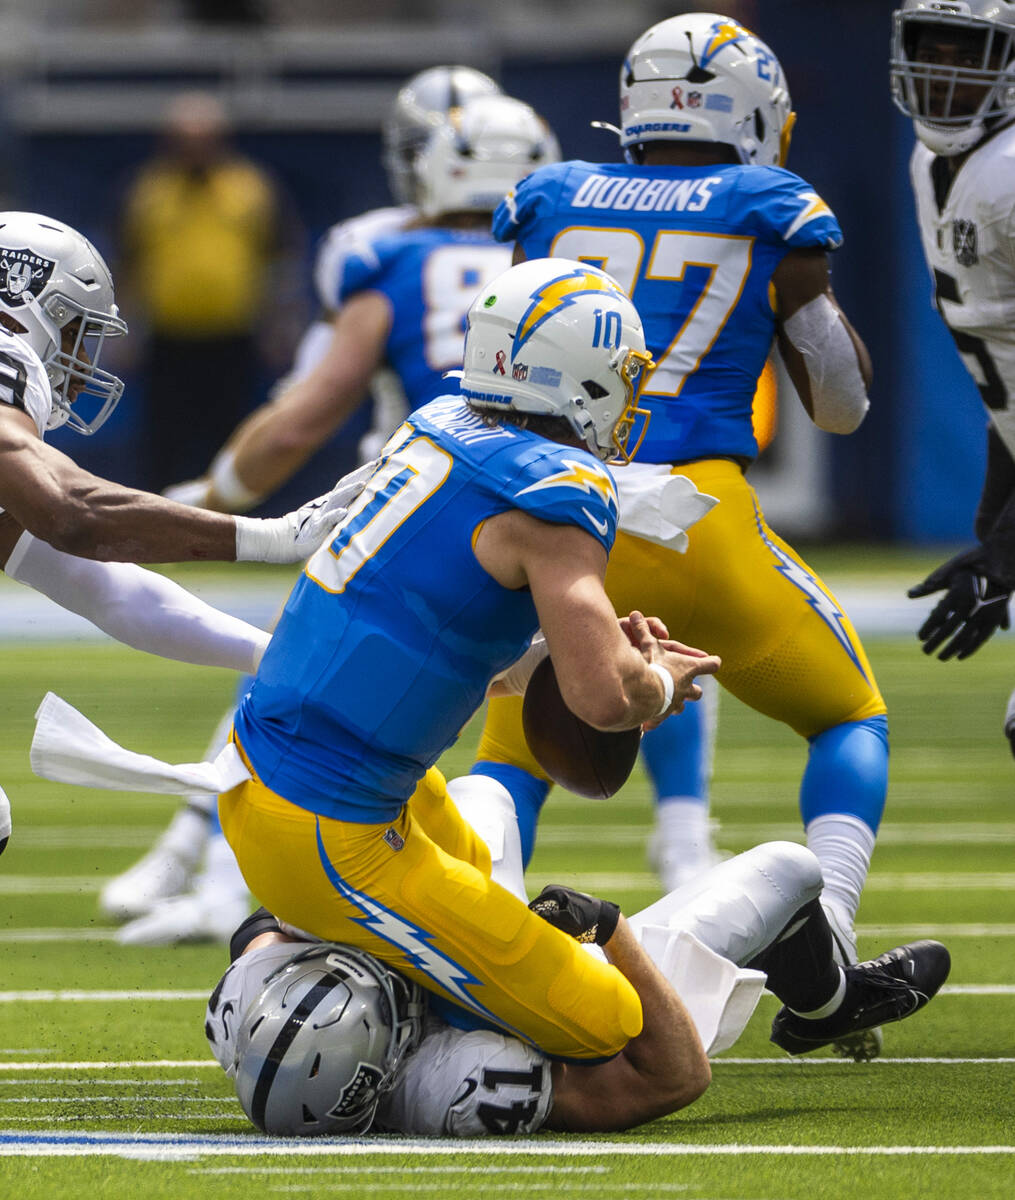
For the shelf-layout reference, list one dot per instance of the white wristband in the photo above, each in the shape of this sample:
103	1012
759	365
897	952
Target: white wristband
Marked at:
234	493
668	687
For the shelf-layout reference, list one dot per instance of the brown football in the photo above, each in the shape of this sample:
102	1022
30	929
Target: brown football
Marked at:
579	757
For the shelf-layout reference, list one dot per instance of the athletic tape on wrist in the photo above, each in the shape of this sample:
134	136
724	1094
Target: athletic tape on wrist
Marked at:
668	686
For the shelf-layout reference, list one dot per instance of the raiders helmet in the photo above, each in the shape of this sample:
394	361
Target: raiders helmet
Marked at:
50	276
322	1042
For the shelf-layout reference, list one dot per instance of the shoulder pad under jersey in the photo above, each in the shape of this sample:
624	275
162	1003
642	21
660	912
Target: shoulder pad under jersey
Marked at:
468	1084
23	380
522	203
354	237
568	486
786	208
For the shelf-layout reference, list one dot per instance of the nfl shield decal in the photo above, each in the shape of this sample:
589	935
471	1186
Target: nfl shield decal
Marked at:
964	242
23	274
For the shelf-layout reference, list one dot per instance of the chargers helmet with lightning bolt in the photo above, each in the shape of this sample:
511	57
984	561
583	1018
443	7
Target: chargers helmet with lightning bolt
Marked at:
422	103
703	77
558	338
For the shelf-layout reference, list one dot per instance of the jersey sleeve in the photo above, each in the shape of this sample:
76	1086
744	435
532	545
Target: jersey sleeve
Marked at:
569	487
521	207
350	244
469	1084
23	381
785	208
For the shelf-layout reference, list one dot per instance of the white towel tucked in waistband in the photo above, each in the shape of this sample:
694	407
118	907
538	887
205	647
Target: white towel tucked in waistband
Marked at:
68	748
657	505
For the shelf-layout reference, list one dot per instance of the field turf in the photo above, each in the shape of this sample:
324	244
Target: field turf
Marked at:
107	1089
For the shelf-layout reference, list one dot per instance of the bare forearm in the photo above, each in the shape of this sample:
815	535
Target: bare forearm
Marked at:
668	1049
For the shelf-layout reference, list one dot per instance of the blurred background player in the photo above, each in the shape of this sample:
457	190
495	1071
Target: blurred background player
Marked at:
707	230
203	250
399	301
953	71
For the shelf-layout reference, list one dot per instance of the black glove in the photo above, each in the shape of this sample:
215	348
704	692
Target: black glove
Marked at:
974	606
583	917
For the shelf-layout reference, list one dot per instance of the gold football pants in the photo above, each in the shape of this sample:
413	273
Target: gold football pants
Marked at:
787	648
416	893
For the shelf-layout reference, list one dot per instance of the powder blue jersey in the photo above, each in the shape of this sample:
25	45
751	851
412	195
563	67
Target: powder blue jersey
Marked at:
430	277
695	248
391	636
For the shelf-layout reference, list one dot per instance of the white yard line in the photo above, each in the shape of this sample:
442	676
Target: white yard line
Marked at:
168	1147
202	1063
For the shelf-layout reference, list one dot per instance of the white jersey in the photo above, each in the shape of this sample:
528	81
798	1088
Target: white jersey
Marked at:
461	1084
24	383
468	1084
969	243
23	380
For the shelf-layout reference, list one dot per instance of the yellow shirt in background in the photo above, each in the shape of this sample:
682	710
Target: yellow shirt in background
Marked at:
200	244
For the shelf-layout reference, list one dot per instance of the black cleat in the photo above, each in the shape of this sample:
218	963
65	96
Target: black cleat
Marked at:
888	988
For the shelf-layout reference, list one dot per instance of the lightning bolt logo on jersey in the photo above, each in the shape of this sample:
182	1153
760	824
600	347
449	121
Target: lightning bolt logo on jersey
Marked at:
695	248
390	638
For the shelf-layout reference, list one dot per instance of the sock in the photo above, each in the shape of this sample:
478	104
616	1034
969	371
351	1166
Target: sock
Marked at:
799	964
527	793
187	833
843	844
683	835
221	875
678	755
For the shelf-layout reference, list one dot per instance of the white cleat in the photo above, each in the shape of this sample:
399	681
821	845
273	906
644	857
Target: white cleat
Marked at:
5	820
197	917
157	877
866	1045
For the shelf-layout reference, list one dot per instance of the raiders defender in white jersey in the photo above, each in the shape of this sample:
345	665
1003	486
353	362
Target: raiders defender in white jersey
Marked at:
67	533
377	1055
953	73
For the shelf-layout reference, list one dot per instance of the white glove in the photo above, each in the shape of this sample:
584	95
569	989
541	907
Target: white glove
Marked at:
193	492
294	537
516	678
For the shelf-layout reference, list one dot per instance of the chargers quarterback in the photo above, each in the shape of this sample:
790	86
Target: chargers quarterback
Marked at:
398	283
723	251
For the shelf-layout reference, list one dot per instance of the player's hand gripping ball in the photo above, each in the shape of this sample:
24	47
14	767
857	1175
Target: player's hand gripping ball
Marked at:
574	754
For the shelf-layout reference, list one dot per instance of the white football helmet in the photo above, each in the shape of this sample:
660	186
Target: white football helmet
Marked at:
321	1043
558	338
50	276
932	92
702	77
422	104
476	155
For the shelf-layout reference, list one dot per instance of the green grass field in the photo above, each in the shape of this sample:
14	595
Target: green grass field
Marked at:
108	1090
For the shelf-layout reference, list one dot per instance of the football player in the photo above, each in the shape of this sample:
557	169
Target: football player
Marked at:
491	515
385	1062
723	251
952	71
67	533
398	298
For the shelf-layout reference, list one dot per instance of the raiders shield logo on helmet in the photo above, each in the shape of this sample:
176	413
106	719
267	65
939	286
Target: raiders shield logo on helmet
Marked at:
23	275
964	243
